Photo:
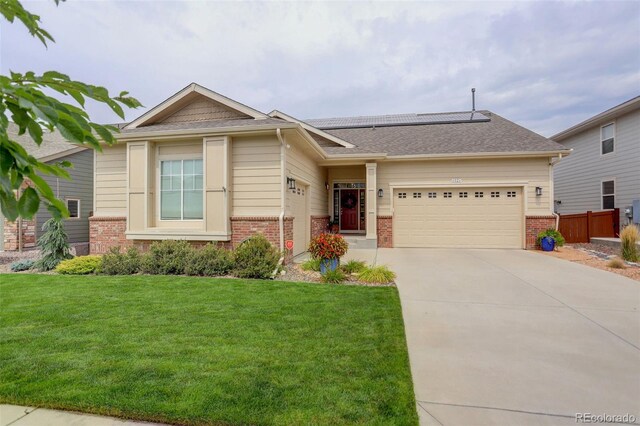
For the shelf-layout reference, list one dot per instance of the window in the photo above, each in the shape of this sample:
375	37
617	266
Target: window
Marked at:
462	194
479	194
511	194
402	195
447	195
417	195
495	194
607	138
73	206
432	195
608	195
181	189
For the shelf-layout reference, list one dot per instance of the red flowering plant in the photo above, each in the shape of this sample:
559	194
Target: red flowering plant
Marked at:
328	246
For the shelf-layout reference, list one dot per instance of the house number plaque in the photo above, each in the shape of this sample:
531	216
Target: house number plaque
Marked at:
456	180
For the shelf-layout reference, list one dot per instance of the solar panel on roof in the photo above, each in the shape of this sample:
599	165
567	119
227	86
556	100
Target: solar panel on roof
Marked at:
397	120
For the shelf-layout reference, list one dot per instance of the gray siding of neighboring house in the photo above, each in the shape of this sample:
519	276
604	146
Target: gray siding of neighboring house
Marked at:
578	177
79	187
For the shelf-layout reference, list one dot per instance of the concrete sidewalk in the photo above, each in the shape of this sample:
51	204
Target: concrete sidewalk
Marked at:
16	415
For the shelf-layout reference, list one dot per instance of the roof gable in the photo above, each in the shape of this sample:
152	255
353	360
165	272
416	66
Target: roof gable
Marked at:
195	103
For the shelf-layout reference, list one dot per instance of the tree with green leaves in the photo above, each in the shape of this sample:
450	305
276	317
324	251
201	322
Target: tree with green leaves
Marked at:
23	101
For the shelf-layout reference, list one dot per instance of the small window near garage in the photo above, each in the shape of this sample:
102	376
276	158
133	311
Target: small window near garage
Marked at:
73	206
607	138
462	194
447	195
511	194
479	194
402	195
417	195
608	194
495	194
432	195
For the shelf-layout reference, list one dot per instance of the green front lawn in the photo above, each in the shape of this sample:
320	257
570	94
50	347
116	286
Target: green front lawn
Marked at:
205	351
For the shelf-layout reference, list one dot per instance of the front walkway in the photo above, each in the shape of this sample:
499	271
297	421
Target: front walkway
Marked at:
16	415
516	337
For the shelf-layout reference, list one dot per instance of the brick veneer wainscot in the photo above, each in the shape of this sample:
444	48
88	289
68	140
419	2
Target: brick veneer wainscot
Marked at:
385	231
536	224
319	225
107	232
11	234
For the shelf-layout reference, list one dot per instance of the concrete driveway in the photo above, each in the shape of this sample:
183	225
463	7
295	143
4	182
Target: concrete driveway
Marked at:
517	337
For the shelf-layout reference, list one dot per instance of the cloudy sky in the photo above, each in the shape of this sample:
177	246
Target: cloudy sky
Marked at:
545	65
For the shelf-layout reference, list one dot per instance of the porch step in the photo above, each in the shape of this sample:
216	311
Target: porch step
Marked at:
360	242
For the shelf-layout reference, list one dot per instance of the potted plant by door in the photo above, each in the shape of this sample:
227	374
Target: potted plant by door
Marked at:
329	248
549	239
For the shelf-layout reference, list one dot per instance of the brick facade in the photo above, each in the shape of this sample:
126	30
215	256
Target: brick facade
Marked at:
535	225
11	239
385	231
107	232
319	225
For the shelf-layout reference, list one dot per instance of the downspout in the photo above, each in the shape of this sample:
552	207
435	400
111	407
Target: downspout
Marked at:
553	212
283	190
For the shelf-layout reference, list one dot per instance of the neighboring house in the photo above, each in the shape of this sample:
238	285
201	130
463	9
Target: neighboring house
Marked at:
77	192
202	167
603	171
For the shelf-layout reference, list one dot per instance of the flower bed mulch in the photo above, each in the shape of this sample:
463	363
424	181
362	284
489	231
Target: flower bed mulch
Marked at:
596	256
296	273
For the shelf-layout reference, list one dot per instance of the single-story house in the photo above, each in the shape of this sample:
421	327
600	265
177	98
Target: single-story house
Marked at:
603	171
76	192
203	167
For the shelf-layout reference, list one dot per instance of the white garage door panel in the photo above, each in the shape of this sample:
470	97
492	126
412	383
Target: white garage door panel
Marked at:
481	222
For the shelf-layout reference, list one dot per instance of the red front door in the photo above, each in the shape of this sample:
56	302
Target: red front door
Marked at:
349	209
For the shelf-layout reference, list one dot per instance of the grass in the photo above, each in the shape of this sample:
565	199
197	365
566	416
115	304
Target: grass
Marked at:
628	238
205	351
616	263
353	266
377	274
311	265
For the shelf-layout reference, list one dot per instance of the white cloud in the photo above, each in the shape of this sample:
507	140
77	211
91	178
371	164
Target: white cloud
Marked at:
544	65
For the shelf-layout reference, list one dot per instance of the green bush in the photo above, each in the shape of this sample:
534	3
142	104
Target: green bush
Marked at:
117	263
54	245
209	261
353	266
377	274
334	277
557	237
256	258
311	265
22	265
167	257
81	265
628	238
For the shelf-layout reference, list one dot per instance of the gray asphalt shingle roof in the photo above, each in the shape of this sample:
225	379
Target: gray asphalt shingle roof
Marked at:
498	135
53	143
237	122
395	119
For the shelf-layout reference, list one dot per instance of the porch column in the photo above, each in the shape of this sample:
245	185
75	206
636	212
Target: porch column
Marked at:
371	201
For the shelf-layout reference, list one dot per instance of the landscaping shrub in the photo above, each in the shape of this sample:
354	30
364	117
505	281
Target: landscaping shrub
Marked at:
117	263
22	265
311	265
209	261
551	232
81	265
628	238
256	258
616	263
167	257
54	245
353	266
377	274
334	277
328	246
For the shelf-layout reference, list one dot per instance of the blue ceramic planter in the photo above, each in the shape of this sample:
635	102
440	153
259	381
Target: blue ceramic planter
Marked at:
329	265
548	244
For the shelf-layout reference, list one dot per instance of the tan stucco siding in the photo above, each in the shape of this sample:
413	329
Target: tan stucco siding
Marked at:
302	166
533	172
255	176
111	181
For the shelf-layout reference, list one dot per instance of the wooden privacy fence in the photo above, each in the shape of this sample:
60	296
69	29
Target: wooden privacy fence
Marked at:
581	227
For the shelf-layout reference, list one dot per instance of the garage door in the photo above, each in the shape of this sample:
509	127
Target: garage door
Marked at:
300	220
458	217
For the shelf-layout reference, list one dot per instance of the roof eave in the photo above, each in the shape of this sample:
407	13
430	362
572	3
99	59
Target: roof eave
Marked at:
163	134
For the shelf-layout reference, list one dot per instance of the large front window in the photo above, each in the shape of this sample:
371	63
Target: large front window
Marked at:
181	189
